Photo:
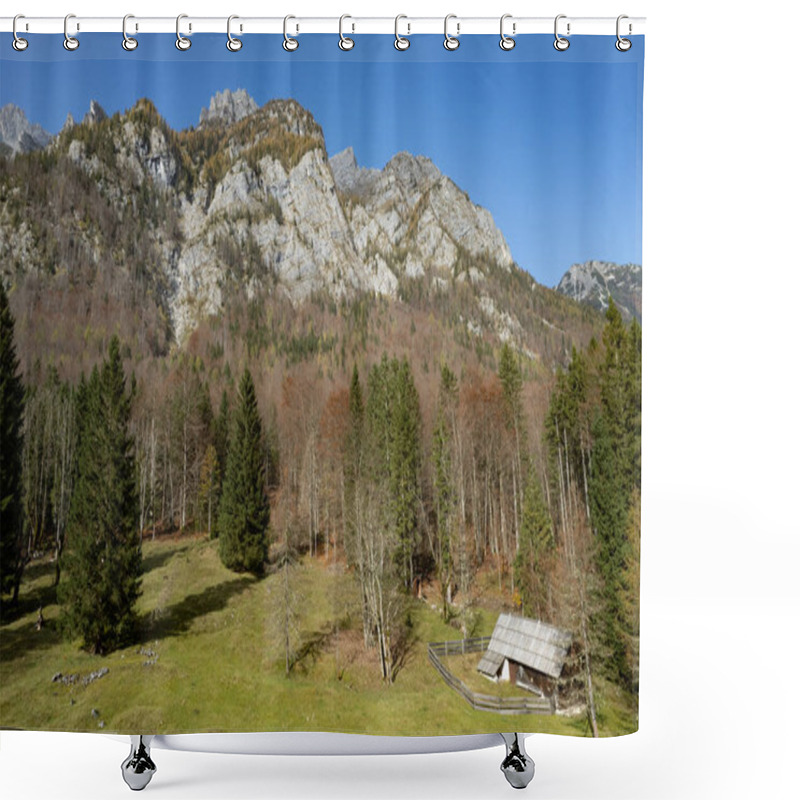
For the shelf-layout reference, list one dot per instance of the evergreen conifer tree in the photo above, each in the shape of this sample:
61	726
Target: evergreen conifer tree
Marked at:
537	541
244	509
11	412
352	460
393	444
210	483
103	559
219	431
510	376
443	488
615	476
404	470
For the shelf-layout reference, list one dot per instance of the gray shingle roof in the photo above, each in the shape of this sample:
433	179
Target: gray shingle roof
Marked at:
490	663
530	642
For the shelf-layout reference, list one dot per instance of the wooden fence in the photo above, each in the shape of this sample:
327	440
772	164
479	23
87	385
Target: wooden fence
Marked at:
482	702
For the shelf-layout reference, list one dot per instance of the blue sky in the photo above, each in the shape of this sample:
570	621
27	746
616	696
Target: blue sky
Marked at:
549	142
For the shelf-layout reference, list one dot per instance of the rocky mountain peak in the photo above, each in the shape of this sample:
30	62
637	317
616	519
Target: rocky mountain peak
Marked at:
348	175
293	118
594	282
416	173
69	123
228	107
18	133
95	114
260	202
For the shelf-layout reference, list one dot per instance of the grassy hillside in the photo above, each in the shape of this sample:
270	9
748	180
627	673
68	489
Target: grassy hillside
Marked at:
210	658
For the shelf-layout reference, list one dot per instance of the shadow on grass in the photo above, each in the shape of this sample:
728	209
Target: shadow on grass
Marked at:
178	618
33	572
162	557
20	641
29	601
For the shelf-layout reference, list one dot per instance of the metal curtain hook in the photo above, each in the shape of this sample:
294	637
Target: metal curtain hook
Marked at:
507	42
70	42
451	42
128	42
560	43
345	43
19	44
622	44
401	42
181	42
289	44
233	44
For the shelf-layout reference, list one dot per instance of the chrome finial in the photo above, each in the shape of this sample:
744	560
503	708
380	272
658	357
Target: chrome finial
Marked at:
517	766
138	768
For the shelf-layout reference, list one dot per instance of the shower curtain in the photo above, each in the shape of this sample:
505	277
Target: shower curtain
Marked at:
320	379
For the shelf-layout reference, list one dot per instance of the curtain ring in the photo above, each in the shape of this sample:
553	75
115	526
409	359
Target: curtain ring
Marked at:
400	42
128	42
181	42
289	44
451	42
233	44
560	43
19	44
623	44
345	43
507	42
70	42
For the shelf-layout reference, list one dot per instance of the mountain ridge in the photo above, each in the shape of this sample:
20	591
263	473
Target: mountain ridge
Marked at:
594	282
18	134
255	206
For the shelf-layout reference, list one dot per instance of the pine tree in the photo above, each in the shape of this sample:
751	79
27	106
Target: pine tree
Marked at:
352	461
609	517
392	445
630	592
11	415
210	485
443	489
219	431
510	375
404	466
537	542
633	391
615	479
244	509
103	559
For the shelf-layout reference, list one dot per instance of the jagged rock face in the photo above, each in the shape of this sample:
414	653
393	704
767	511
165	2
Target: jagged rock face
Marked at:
228	107
257	205
349	177
411	207
324	225
595	281
95	114
69	123
141	149
18	133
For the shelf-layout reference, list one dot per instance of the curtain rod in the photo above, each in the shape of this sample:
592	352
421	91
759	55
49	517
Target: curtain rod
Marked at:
407	26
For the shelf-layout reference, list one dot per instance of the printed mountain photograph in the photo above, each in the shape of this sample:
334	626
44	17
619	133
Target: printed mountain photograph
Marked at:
294	444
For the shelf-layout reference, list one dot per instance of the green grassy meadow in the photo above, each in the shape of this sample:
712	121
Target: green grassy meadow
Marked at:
216	661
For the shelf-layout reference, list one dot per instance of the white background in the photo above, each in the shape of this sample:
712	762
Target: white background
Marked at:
720	600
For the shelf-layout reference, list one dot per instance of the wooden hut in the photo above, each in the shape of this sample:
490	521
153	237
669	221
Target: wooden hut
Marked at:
526	652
